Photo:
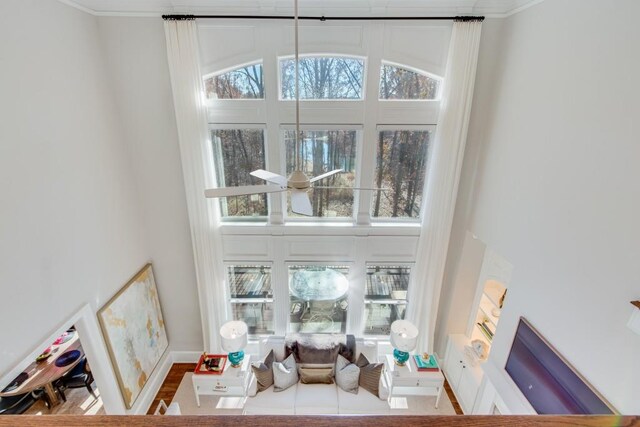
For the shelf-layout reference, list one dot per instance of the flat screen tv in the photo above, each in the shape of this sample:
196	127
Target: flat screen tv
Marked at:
548	382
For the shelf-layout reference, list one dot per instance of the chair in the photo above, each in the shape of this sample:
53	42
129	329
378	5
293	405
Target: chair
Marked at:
322	308
40	394
80	376
163	409
11	405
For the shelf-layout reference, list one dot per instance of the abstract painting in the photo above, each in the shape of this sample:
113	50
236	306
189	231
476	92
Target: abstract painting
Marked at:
135	333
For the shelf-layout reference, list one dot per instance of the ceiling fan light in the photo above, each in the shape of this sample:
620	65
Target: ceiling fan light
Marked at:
298	179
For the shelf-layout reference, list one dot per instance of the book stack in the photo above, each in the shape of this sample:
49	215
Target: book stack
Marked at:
426	364
485	330
211	364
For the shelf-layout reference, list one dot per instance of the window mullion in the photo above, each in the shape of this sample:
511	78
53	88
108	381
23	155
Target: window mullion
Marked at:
366	165
273	117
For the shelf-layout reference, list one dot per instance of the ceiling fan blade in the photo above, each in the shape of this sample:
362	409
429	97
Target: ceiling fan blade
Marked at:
324	175
270	176
242	190
352	188
300	202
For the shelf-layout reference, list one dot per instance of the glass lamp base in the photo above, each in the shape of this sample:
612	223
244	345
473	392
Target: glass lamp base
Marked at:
236	358
400	357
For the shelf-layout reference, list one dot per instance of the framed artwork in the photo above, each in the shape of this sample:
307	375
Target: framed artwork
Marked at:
135	333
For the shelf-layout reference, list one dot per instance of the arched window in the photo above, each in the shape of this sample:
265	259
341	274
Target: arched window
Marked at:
401	83
323	77
241	83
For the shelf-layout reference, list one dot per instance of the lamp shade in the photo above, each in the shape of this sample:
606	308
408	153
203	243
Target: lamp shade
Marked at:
234	336
404	336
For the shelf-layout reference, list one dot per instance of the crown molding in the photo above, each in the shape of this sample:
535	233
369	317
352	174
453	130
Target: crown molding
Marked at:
519	9
313	7
77	6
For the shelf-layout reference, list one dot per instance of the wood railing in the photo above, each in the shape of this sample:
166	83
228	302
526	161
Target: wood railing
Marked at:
315	421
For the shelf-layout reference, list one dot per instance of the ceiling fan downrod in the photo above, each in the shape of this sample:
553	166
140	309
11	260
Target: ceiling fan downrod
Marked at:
297	148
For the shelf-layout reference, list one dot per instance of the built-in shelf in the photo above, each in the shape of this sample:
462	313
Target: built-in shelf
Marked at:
494	274
487	307
494	291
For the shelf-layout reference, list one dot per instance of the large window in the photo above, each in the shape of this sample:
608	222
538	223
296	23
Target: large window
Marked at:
318	298
322	151
368	107
333	137
241	83
401	160
252	296
323	77
236	153
385	297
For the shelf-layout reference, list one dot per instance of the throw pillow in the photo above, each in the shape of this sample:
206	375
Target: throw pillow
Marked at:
264	372
369	375
285	374
316	375
347	375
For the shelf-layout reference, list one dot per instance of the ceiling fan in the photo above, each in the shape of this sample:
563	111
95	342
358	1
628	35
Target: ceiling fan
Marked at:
298	183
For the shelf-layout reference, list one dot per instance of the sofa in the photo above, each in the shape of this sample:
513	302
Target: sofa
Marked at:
315	399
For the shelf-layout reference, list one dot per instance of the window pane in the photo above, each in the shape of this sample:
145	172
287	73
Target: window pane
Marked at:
252	296
400	167
318	298
236	153
400	83
385	297
322	77
323	151
242	83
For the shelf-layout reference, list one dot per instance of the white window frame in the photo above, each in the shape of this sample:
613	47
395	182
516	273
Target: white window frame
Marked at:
272	300
411	266
394	128
324	55
328	264
247	126
283	161
414	70
228	70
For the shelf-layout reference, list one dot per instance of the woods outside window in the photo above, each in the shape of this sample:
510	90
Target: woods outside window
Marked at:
336	114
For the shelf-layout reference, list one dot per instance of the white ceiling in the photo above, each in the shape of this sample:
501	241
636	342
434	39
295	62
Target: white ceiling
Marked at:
489	8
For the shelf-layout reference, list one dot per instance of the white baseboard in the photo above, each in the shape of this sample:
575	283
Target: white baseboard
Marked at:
186	356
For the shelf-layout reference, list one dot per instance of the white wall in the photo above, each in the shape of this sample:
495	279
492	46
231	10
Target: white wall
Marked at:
458	283
557	190
136	57
89	195
70	224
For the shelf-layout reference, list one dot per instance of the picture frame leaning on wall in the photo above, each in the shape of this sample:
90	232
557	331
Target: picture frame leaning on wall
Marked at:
134	331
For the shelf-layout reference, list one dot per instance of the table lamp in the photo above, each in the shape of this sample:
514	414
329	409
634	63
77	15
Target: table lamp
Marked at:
404	337
234	339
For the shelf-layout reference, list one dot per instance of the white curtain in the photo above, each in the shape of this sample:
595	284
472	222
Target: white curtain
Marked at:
197	169
442	179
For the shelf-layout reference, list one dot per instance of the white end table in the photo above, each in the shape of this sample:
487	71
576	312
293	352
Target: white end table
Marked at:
408	381
232	381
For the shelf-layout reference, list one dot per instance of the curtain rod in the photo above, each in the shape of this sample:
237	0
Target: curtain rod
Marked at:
327	18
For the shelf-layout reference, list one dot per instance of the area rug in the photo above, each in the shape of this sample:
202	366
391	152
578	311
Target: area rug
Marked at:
215	405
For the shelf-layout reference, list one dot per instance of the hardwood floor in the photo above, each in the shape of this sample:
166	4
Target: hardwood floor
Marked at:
452	398
177	371
79	402
170	384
